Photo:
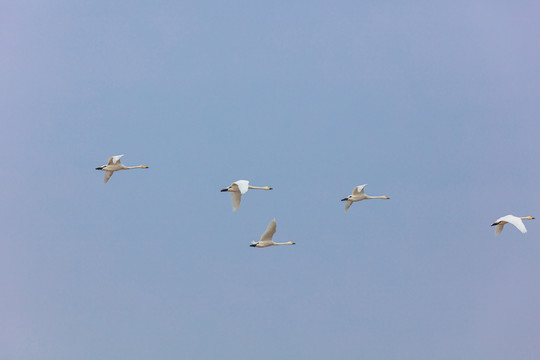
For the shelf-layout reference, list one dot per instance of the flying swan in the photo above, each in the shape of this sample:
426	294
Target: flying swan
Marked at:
359	195
266	238
238	188
114	164
514	220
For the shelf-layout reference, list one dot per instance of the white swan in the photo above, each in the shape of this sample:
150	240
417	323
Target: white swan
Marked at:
514	220
266	238
238	188
114	164
359	195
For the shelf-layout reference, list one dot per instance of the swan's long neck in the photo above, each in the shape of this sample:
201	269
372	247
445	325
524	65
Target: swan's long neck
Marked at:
526	217
136	167
285	243
377	197
259	187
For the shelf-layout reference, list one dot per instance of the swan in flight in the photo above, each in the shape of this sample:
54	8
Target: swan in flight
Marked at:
114	164
238	188
359	195
514	220
266	238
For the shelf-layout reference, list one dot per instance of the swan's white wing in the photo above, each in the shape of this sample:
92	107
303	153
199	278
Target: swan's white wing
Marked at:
243	185
236	197
114	160
359	190
348	205
108	175
517	223
270	231
498	229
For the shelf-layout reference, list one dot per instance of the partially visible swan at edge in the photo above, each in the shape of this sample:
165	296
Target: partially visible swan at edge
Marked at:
238	188
114	164
359	195
266	238
514	220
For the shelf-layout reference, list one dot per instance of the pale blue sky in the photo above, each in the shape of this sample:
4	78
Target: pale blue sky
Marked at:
434	104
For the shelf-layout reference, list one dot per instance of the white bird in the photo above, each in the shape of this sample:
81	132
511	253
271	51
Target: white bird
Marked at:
266	238
238	188
359	195
114	164
514	220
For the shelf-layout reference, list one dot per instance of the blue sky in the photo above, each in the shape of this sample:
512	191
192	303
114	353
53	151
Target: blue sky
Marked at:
432	104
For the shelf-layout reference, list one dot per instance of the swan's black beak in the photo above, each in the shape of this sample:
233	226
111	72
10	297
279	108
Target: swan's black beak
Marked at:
223	190
345	199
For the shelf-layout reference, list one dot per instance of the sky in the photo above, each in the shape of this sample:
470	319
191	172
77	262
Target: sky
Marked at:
434	104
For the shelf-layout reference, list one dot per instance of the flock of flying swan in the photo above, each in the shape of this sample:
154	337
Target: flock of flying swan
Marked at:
511	219
240	187
114	164
266	238
359	195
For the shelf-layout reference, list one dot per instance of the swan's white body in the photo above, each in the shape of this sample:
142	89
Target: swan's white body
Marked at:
511	219
114	164
359	195
266	238
239	188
